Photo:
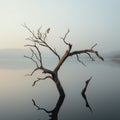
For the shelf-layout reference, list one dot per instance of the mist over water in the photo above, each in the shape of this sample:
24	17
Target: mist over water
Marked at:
17	91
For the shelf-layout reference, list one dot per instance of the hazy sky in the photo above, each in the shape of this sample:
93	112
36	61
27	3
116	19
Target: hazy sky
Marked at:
89	21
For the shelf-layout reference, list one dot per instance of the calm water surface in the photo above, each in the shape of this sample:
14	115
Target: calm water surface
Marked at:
103	93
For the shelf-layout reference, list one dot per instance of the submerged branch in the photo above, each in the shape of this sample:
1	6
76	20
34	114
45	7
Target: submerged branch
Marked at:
39	108
84	95
53	114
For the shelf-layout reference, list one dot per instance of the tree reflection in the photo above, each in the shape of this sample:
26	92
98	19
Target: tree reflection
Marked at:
53	114
84	95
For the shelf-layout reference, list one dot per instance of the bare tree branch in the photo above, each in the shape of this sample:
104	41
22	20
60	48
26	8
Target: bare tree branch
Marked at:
51	49
32	32
38	68
39	34
93	46
34	54
64	38
40	39
39	57
87	51
79	60
41	79
90	56
31	58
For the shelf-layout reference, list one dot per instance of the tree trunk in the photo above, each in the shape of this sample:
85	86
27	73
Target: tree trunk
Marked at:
58	85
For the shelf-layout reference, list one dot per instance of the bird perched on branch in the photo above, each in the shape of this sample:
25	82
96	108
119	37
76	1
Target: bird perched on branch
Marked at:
48	30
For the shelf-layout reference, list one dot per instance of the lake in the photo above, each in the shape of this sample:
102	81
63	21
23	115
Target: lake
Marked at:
20	101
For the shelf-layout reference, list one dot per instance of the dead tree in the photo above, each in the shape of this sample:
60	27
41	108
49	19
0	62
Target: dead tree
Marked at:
39	40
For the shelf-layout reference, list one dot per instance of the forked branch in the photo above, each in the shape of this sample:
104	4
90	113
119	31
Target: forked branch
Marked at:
40	39
88	52
64	38
31	58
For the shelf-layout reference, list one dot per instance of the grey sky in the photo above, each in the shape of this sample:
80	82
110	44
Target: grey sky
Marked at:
89	21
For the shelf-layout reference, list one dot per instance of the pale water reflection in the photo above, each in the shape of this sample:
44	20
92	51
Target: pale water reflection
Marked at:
16	93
